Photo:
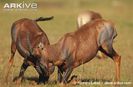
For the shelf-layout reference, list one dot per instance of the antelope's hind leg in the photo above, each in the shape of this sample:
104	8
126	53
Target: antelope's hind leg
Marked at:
108	49
24	66
60	74
10	63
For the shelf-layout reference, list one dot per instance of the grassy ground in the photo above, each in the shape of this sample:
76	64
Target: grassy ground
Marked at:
65	12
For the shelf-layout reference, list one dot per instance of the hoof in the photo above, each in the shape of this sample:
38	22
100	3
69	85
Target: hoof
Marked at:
74	80
40	82
43	80
33	83
17	80
62	84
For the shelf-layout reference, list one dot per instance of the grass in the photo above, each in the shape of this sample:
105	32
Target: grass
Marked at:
65	12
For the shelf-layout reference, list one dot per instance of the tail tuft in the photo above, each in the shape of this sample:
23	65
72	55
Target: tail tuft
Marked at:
44	19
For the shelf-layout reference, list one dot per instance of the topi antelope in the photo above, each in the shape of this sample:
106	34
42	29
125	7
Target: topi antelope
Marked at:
87	17
26	34
81	46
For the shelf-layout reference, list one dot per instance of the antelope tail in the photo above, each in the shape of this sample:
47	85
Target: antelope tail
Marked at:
44	19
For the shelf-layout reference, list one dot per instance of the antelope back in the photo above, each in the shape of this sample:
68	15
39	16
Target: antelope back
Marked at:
26	34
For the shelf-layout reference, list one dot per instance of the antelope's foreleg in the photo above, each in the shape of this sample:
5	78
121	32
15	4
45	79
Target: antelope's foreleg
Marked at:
66	75
42	77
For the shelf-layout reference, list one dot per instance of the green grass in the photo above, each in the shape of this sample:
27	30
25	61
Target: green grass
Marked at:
65	12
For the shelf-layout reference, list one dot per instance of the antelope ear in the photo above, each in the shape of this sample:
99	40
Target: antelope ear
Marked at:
41	46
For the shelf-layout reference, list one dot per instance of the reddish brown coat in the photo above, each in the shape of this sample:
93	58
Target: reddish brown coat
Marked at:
26	35
79	47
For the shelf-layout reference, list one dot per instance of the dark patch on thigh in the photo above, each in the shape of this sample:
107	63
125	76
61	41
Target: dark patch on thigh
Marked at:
105	36
13	33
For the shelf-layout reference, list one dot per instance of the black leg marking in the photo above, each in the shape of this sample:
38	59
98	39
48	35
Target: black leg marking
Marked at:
43	78
67	75
22	70
60	73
